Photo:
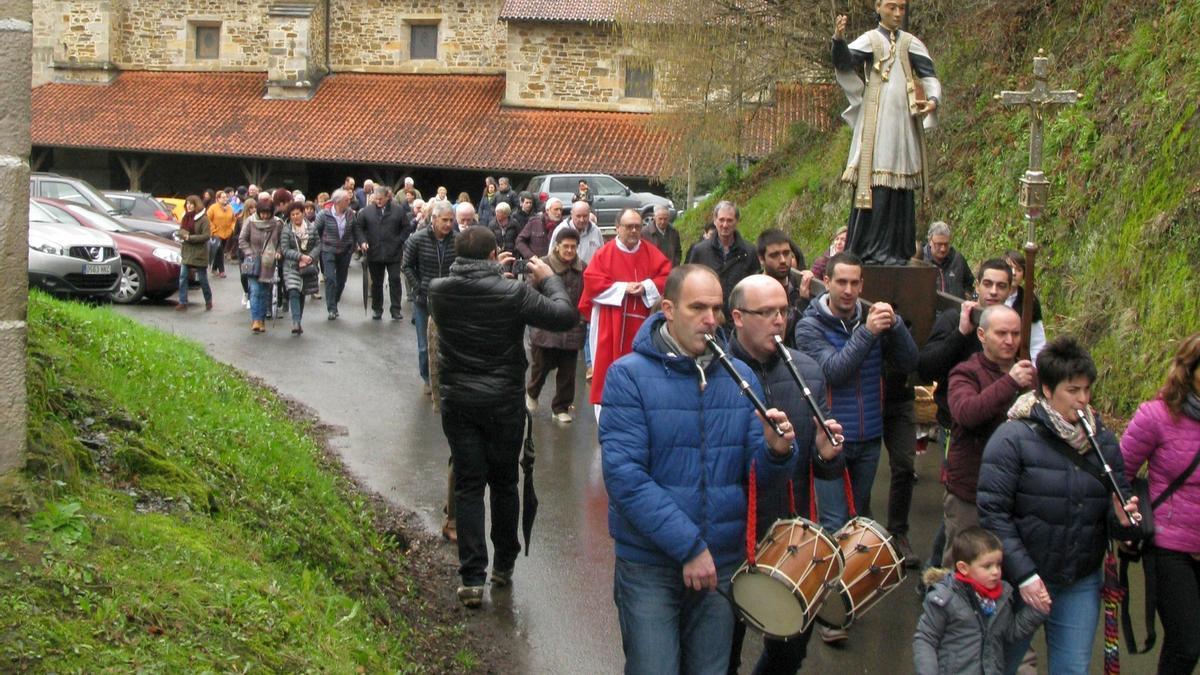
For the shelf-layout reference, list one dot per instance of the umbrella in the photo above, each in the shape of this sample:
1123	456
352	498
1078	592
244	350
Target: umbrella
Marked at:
366	277
529	500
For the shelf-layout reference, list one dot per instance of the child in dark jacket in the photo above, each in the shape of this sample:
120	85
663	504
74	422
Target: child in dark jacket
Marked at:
969	614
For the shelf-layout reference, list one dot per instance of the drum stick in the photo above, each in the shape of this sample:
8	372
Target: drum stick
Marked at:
808	396
1091	434
741	382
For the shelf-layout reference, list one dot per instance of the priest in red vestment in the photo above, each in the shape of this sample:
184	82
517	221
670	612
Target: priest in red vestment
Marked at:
621	285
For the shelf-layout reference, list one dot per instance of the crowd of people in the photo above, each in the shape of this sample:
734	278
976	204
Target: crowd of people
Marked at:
506	290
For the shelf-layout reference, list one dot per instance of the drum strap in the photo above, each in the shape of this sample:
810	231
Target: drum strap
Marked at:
791	499
812	495
752	514
849	493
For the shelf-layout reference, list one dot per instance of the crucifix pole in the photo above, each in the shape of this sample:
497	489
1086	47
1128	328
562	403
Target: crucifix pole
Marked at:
1034	186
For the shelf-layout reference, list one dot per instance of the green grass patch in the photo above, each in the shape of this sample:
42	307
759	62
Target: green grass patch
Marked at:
182	521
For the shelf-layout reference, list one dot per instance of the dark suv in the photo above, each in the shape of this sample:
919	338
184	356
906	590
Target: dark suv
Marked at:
609	196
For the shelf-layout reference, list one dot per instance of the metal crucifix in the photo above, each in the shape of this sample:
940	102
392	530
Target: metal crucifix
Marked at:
1034	186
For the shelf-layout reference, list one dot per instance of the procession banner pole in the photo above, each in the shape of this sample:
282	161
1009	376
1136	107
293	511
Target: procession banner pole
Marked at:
1034	187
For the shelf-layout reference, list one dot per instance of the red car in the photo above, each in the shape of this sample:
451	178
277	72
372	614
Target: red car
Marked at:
149	265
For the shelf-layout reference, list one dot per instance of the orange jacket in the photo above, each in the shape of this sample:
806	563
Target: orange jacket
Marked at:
221	219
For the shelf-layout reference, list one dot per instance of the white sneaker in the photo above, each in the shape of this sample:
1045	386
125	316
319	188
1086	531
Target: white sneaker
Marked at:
531	404
245	301
562	417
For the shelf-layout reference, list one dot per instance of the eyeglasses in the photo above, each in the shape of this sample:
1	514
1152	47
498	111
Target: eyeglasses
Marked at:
769	313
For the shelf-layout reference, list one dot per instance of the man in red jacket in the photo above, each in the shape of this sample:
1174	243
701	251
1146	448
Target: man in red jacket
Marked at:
982	389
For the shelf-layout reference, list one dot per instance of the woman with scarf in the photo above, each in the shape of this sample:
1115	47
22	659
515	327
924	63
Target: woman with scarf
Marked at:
1165	434
550	350
300	246
259	245
487	203
835	247
193	235
1042	491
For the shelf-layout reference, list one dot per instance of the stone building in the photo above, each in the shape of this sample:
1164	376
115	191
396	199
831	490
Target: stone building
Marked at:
441	85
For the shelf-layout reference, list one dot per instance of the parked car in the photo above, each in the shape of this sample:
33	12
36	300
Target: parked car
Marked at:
140	205
609	196
79	191
149	265
70	260
176	205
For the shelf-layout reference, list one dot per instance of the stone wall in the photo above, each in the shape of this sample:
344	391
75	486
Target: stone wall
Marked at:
159	34
292	71
567	66
373	36
16	48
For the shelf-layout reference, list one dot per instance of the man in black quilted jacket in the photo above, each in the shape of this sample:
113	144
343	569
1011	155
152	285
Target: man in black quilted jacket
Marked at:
481	316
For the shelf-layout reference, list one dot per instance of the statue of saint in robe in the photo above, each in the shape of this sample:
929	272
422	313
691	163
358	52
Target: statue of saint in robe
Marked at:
892	89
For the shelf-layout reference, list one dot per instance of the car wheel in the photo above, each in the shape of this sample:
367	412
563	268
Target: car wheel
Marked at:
132	285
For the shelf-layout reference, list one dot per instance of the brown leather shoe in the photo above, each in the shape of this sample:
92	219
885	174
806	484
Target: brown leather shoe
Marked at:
181	307
450	531
257	327
208	306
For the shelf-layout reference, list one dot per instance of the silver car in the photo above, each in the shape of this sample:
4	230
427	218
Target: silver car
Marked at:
609	196
71	260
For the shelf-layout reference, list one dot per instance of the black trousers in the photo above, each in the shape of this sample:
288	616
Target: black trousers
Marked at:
542	361
886	233
900	438
485	448
337	266
1178	594
395	286
778	657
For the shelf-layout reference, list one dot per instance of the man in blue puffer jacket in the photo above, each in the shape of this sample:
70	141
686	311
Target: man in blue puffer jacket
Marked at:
851	341
678	441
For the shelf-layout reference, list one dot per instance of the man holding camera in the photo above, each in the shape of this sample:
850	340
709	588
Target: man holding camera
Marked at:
481	316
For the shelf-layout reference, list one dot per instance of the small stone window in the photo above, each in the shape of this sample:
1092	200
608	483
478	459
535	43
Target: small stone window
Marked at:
208	41
423	41
639	81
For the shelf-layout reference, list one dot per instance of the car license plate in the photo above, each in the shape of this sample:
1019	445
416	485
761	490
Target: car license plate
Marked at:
97	269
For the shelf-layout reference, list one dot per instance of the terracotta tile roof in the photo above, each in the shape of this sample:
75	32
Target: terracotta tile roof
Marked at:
559	10
441	121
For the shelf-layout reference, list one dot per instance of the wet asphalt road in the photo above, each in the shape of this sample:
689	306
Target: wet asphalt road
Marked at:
360	376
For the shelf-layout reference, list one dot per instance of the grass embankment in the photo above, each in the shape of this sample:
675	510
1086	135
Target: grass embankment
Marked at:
1120	243
173	518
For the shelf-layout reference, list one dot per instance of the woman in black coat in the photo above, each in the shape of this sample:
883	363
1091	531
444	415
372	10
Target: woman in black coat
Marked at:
1041	491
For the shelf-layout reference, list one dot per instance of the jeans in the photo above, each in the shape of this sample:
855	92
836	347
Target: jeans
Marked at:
1178	583
900	439
1070	628
666	628
337	266
296	304
485	446
260	298
395	287
862	459
202	273
777	658
421	321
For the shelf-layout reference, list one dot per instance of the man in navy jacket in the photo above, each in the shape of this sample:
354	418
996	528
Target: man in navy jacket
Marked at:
851	340
678	442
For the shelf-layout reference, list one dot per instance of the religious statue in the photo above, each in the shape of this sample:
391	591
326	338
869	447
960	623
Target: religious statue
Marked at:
893	92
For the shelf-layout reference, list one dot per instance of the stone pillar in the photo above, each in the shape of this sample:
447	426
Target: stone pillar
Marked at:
16	49
293	70
88	42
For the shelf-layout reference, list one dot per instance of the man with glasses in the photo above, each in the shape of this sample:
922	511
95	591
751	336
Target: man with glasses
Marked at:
852	340
759	307
621	285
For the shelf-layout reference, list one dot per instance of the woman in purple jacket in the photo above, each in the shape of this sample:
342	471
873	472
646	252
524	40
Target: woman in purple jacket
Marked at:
1165	432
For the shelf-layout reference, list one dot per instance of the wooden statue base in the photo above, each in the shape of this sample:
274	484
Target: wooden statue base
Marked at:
910	289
